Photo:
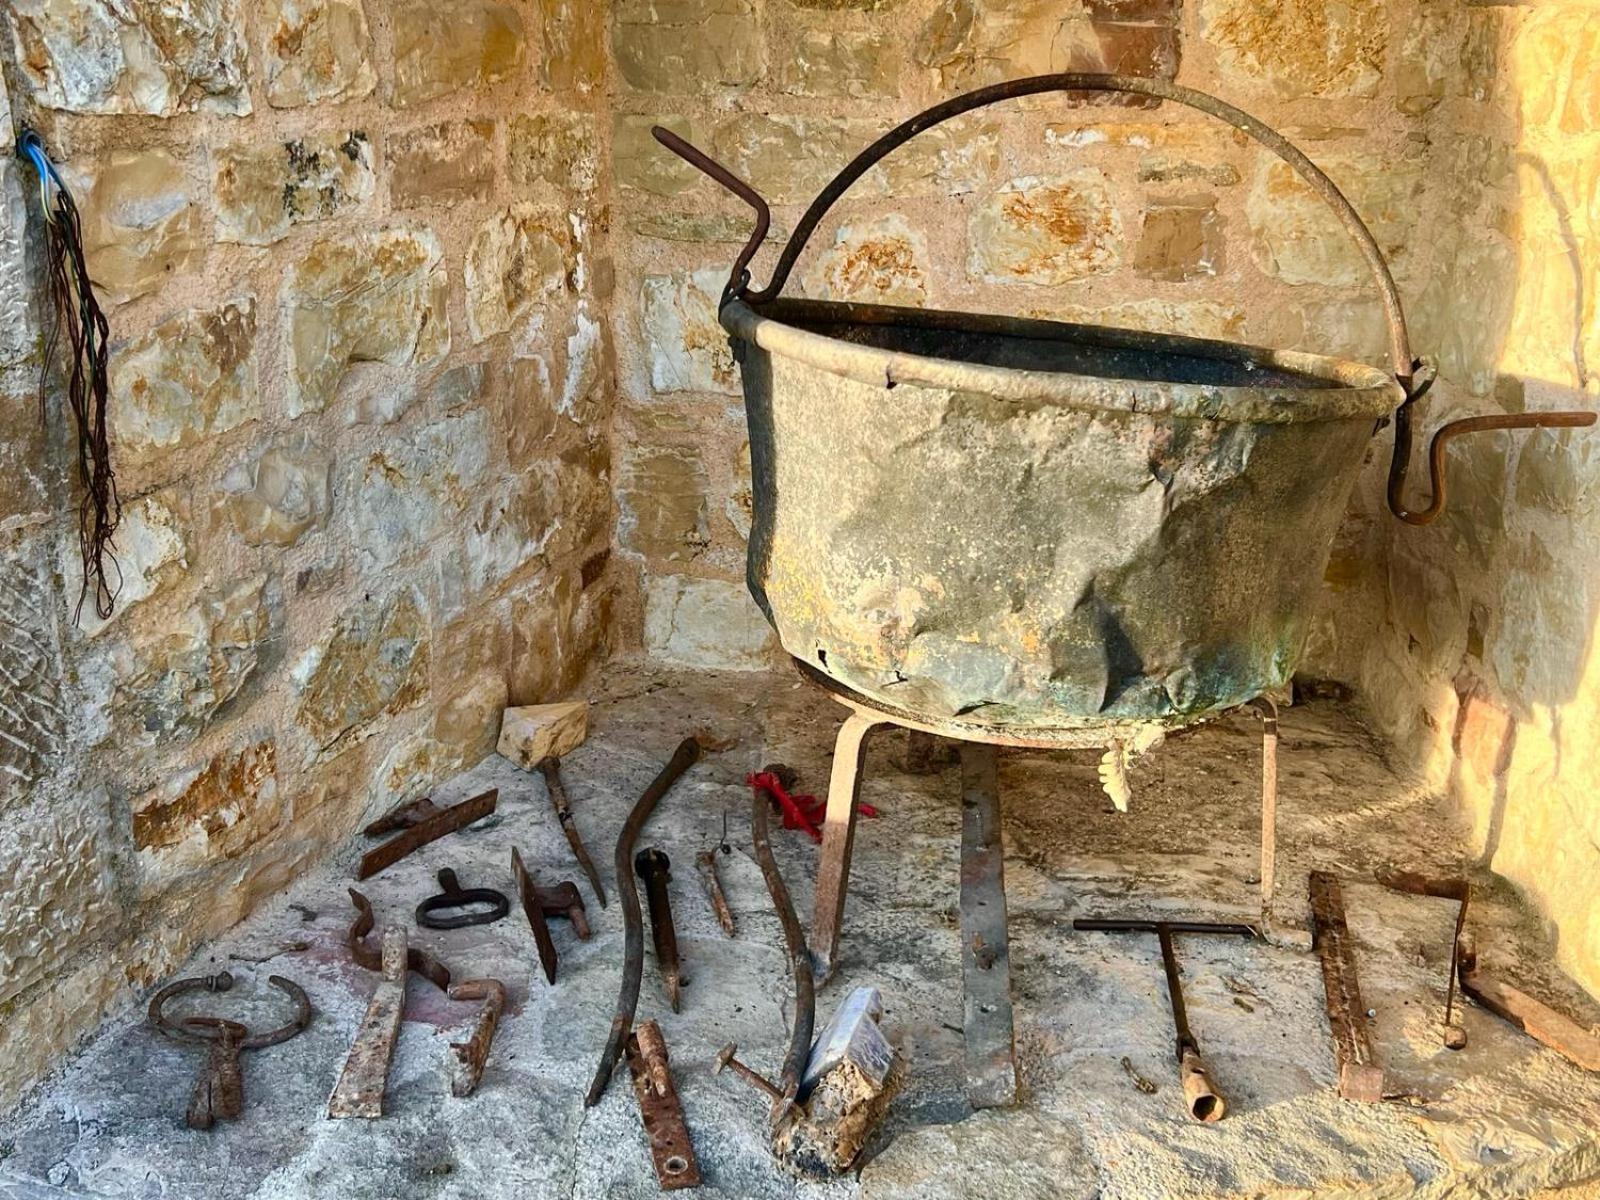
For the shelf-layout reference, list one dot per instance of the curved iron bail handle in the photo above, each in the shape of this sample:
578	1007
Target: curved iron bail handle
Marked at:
1411	374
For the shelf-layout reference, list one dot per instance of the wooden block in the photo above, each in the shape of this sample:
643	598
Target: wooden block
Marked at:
538	731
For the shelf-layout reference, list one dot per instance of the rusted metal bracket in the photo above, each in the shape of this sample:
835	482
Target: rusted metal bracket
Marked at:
538	903
469	1056
1538	1020
985	945
452	896
656	870
359	1092
671	1149
1360	1076
550	768
706	863
370	956
1414	883
683	758
421	822
1200	1095
219	1086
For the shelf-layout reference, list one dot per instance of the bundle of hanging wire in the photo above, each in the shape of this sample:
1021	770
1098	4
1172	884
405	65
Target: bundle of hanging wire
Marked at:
79	326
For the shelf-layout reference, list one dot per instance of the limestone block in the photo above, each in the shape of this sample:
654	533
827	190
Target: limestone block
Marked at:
141	224
669	226
556	147
372	297
506	525
409	771
439	49
414	488
33	719
1298	48
574	44
1298	239
190	377
951	159
102	56
824	62
316	51
664	504
741	505
441	164
214	810
689	350
944	33
662	45
262	188
150	556
281	493
18	334
538	731
1046	231
789	159
1428	55
516	259
879	261
709	623
1179	240
1191	318
846	5
468	724
373	660
639	161
60	859
184	675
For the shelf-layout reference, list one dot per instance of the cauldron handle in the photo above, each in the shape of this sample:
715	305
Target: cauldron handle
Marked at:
1409	372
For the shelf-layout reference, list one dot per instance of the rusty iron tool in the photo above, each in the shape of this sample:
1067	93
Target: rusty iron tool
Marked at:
655	868
470	1055
671	1150
370	956
420	822
987	1017
1414	883
452	896
550	768
1536	1019
1205	1103
1360	1076
219	1085
683	758
258	959
538	903
359	1092
800	969
706	863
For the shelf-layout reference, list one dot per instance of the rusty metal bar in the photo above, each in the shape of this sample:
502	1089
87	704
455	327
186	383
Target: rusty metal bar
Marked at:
661	1113
1538	1020
985	944
367	955
359	1092
471	1055
838	839
1360	1076
794	941
419	833
706	863
452	896
1267	709
1415	883
683	758
550	768
534	911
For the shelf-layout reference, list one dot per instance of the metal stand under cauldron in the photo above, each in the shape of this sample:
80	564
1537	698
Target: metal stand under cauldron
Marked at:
985	955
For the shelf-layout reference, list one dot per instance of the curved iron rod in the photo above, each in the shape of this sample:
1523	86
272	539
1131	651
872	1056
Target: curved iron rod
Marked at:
739	276
683	758
794	939
1400	464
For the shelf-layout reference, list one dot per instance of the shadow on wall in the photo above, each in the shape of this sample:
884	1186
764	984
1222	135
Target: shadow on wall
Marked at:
1489	667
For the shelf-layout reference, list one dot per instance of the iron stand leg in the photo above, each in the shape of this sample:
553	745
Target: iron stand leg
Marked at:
1268	711
985	953
838	837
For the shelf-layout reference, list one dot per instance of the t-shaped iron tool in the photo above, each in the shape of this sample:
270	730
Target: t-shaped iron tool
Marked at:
1204	1101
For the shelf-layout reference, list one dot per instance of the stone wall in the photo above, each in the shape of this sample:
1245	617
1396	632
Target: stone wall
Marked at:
354	257
1465	133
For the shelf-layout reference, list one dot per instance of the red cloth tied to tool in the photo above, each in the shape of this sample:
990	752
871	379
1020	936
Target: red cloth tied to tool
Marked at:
799	812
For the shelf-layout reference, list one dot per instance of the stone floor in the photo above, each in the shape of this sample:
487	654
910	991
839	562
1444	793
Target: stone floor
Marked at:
1502	1118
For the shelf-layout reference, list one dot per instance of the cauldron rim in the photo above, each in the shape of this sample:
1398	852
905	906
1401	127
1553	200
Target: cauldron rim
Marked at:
1342	389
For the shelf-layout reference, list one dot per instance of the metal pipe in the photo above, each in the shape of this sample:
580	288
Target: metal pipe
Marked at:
1205	1102
683	758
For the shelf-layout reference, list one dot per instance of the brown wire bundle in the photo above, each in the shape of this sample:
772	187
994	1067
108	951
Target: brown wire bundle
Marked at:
80	323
